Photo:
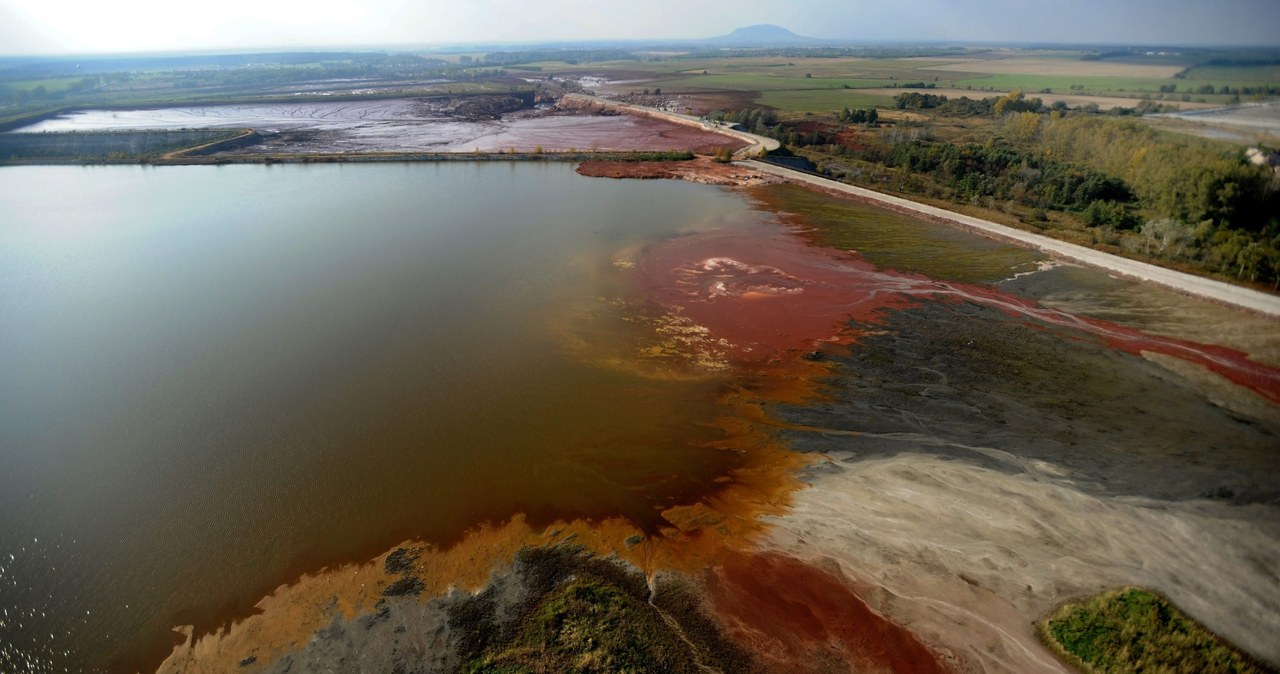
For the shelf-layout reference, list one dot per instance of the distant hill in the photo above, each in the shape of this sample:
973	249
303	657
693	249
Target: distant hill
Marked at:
764	34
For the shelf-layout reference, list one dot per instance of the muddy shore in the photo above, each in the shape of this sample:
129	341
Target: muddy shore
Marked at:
916	539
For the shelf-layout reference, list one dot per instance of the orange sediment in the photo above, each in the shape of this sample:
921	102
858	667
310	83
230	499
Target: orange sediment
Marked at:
697	535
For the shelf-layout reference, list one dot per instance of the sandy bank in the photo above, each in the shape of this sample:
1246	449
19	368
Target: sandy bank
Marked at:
1193	285
969	573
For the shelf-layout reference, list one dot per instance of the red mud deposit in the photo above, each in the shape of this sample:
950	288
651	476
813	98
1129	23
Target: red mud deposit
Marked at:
700	170
797	618
767	291
1234	365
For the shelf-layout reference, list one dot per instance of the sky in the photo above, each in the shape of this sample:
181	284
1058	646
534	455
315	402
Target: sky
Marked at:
115	26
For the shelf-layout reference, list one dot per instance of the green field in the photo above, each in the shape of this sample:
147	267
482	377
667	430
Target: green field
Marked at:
1234	74
1062	84
753	82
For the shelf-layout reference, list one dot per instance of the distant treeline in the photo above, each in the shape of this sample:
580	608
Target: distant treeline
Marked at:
504	58
823	52
20	68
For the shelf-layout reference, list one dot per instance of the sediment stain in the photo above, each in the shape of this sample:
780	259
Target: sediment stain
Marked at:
693	536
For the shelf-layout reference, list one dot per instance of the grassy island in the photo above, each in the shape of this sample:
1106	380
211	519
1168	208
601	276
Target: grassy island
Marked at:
1133	630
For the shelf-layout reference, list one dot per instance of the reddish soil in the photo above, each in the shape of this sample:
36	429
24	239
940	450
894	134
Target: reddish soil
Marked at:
849	137
797	618
700	170
765	292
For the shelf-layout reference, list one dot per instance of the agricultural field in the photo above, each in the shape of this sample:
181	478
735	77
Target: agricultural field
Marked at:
798	84
1067	66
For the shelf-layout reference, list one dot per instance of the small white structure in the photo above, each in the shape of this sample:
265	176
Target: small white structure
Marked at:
1260	157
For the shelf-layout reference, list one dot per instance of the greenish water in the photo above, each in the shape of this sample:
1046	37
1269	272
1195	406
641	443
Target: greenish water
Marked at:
217	377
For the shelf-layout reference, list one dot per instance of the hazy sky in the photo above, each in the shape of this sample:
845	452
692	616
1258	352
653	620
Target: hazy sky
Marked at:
91	26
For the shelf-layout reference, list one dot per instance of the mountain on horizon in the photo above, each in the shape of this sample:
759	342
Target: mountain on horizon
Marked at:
762	34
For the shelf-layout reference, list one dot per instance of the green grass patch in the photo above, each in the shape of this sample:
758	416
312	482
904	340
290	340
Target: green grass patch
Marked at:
1133	630
883	237
1228	74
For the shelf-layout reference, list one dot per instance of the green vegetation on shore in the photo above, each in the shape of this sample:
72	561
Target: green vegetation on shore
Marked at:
1107	181
1132	630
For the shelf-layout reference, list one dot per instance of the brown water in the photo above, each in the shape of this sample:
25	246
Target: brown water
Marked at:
216	378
